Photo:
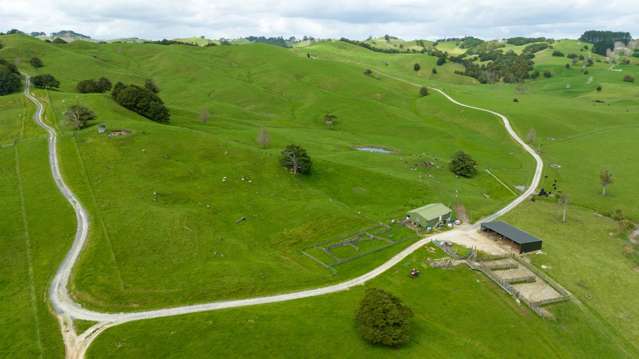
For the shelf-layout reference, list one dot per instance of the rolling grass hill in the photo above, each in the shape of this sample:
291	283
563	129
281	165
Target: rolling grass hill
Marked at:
163	186
398	44
36	226
197	40
400	65
564	110
573	131
165	227
458	314
450	47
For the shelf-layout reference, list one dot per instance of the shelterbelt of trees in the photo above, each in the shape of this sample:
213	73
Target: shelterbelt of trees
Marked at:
603	40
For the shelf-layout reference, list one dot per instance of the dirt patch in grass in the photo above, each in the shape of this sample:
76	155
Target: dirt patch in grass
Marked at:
119	133
461	213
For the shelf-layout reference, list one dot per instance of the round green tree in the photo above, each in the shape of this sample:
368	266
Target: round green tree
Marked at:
10	80
296	160
78	117
36	62
383	319
463	165
46	81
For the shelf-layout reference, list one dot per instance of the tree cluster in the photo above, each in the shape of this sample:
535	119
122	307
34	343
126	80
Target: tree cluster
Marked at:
10	79
508	67
277	41
169	42
383	319
470	42
463	165
46	81
604	40
94	86
519	41
487	46
142	101
377	49
532	49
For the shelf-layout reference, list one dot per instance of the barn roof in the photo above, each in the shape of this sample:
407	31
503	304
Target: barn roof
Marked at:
514	234
431	211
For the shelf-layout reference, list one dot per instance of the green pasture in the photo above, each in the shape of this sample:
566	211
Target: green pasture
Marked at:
458	313
158	197
37	228
193	211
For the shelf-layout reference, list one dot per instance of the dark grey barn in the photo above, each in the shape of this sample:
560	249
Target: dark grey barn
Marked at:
523	240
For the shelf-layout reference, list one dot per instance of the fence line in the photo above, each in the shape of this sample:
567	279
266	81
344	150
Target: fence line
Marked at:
556	286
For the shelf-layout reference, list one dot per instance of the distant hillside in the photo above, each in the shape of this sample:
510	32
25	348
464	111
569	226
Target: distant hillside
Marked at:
69	35
603	41
128	40
197	40
66	35
277	41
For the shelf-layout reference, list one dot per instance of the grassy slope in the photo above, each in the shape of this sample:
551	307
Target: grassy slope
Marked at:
563	112
32	213
451	47
192	217
581	135
197	40
570	115
587	256
458	313
398	44
400	65
581	254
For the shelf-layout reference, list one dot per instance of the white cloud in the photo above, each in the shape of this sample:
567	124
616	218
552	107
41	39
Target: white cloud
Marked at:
328	18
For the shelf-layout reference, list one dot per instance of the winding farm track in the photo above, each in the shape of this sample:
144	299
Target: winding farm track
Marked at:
67	310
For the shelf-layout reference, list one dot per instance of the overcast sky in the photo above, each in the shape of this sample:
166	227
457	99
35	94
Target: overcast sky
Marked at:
428	19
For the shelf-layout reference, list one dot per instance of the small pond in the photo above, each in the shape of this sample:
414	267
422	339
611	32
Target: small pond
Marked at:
373	149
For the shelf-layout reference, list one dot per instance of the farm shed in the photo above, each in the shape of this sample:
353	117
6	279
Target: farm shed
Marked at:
430	215
523	240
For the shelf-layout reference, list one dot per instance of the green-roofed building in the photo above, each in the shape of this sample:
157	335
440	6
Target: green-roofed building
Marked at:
431	215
